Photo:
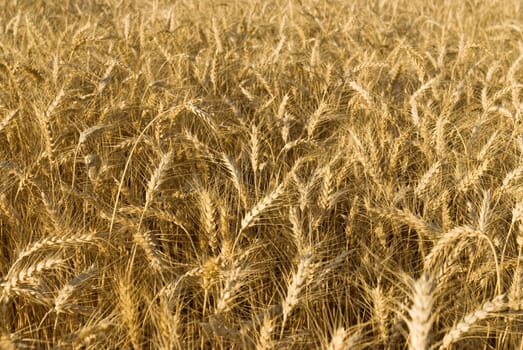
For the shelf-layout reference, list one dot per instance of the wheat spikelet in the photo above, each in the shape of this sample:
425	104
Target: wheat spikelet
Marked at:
265	341
331	266
57	241
427	179
484	91
107	76
327	189
405	216
146	241
482	154
380	312
202	114
496	305
230	286
316	118
420	312
216	34
363	93
511	177
199	145
88	334
44	120
8	118
250	217
168	326
128	309
413	102
472	178
440	137
285	119
16	277
363	157
254	148
459	233
485	212
296	284
305	190
87	133
236	176
208	218
157	178
61	301
338	340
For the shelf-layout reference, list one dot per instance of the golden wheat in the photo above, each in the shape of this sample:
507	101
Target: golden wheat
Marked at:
204	175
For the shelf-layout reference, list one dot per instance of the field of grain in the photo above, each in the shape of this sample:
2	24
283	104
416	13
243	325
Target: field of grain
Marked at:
298	174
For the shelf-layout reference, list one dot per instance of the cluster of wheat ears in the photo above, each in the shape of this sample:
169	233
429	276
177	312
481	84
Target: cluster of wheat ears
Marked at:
314	174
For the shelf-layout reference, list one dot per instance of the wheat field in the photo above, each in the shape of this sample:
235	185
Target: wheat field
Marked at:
298	174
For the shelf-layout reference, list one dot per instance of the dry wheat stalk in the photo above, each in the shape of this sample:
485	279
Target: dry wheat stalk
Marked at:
517	216
12	214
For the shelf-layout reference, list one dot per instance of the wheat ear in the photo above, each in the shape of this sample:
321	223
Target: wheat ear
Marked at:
498	304
297	283
420	312
250	217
